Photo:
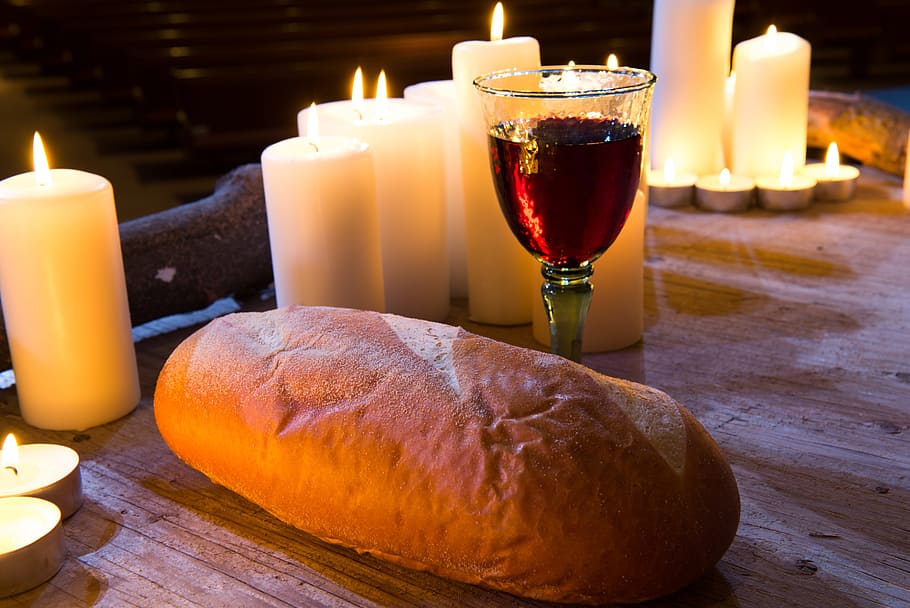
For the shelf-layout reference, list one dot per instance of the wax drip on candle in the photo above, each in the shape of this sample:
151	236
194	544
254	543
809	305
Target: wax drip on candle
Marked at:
39	158
9	458
382	97
612	61
357	94
497	23
312	128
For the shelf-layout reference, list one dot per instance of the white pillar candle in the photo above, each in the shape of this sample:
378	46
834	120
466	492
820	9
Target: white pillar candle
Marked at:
770	103
406	140
616	316
64	299
32	545
320	197
441	93
41	470
690	53
500	272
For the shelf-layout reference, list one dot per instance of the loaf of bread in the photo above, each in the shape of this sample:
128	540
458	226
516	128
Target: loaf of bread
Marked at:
444	451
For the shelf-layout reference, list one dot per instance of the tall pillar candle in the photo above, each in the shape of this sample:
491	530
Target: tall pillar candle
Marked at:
500	272
441	93
616	317
770	102
690	53
323	223
64	299
406	140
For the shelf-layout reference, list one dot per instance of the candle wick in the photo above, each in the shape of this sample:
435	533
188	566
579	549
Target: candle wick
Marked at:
313	144
13	469
359	114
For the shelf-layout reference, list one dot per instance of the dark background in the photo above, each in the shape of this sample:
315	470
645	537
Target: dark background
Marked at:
212	82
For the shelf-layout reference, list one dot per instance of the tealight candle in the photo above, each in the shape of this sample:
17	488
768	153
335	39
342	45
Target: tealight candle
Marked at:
406	140
41	470
669	188
787	191
724	192
32	545
501	274
64	298
836	182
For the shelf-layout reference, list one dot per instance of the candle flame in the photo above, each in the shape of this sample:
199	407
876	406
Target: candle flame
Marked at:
312	127
724	177
382	97
832	160
669	170
612	61
770	39
786	170
497	22
357	93
9	457
39	158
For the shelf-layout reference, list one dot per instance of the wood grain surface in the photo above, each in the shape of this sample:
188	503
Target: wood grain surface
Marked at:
787	335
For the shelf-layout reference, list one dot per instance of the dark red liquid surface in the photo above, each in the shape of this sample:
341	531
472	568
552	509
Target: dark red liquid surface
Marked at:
566	192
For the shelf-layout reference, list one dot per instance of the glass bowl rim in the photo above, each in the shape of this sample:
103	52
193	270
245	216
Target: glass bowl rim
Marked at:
647	80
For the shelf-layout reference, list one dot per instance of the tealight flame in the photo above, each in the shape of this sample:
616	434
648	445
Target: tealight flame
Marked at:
612	61
382	97
724	178
832	160
357	94
786	170
9	457
772	30
669	170
39	158
312	127
497	22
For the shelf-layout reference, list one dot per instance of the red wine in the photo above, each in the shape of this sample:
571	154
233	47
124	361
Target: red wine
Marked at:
566	185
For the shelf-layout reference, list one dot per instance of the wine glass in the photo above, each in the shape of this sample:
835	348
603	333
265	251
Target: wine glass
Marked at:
565	146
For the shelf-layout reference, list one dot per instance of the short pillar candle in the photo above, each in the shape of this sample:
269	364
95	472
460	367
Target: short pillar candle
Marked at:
64	298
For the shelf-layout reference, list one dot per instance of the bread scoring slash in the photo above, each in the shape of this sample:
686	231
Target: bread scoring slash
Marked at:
444	451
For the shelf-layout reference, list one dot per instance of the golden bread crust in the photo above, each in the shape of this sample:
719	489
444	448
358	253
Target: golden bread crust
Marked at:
530	474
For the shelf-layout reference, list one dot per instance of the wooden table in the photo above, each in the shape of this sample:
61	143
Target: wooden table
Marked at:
787	335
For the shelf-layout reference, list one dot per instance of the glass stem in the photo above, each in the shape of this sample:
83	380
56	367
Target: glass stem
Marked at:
566	298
